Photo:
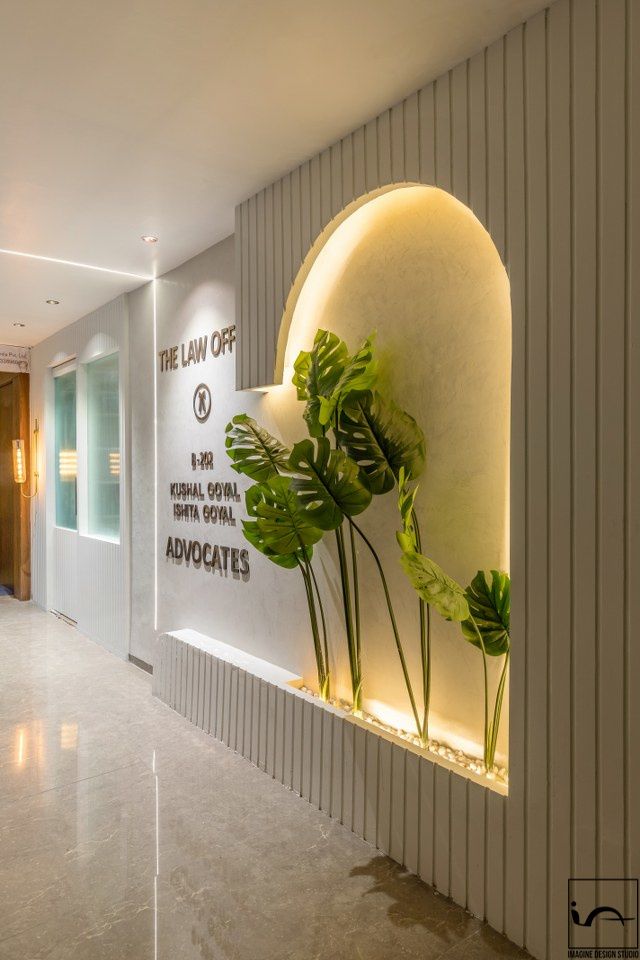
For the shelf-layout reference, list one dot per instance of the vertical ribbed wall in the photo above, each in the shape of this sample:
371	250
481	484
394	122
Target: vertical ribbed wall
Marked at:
539	135
426	817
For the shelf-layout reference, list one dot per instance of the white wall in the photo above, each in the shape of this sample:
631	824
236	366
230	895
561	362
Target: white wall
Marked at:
142	354
257	614
85	575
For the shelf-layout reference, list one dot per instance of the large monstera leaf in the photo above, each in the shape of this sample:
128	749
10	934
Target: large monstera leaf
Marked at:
284	528
328	484
360	373
435	587
316	373
326	374
253	450
382	439
287	560
490	607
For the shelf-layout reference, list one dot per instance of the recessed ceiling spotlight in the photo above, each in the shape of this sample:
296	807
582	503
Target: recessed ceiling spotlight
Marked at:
18	324
149	239
54	303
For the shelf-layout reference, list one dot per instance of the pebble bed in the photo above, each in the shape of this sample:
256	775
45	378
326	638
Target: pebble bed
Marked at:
458	757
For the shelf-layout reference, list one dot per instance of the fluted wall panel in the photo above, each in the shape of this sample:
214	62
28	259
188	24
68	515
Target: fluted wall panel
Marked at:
421	815
539	135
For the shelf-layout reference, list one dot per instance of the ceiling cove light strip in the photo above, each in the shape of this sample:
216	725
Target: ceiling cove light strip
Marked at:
73	263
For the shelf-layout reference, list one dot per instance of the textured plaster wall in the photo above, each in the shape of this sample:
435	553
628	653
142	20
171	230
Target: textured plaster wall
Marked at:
415	266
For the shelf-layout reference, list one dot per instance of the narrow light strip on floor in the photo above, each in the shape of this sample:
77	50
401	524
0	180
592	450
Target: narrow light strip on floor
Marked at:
157	873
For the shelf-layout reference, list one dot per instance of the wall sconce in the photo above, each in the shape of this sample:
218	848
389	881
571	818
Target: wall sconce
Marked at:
19	469
20	465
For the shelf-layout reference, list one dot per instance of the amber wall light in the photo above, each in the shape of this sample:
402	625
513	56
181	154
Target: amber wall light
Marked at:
19	471
20	465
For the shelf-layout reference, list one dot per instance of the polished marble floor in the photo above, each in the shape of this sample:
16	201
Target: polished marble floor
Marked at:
127	834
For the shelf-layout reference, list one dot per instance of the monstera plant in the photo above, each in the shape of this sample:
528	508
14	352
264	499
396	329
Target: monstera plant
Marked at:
487	627
377	440
359	442
482	611
279	528
361	445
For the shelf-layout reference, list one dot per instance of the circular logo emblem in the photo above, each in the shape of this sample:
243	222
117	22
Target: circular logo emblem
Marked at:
202	402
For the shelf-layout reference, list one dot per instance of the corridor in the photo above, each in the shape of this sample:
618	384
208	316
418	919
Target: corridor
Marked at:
126	833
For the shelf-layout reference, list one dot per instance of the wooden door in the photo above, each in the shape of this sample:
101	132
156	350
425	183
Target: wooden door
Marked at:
15	510
7	492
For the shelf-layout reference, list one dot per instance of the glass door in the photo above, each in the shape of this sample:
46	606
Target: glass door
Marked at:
62	483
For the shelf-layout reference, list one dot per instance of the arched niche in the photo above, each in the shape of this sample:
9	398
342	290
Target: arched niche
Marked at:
415	265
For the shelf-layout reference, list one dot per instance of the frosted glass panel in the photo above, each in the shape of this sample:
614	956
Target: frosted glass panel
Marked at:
103	439
66	451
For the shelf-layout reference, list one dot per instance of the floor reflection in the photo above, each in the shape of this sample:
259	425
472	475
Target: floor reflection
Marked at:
249	871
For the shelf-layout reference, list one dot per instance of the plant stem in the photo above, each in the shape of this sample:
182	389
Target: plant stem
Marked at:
425	645
394	626
353	640
425	652
356	592
320	666
495	723
356	680
487	732
324	624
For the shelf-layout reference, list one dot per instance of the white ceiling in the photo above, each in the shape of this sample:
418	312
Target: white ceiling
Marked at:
131	117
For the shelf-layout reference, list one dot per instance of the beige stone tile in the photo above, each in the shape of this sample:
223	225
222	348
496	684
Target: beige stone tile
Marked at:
128	834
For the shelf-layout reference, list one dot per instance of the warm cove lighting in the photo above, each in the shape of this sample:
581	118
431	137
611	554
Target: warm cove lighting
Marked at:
74	263
416	266
403	723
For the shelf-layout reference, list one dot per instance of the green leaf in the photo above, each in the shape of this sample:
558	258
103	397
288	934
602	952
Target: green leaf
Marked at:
435	587
317	372
283	526
360	373
287	560
407	537
327	482
325	375
253	450
382	439
490	607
